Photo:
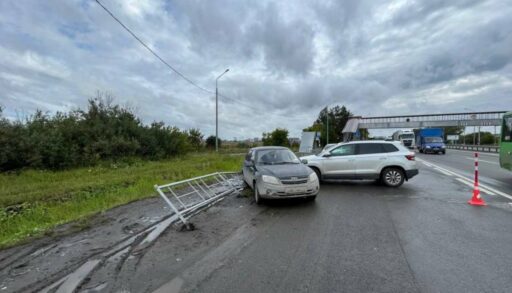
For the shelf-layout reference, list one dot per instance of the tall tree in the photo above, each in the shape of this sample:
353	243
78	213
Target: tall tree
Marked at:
337	117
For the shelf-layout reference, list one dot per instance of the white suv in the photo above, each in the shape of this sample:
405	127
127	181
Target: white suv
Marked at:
388	161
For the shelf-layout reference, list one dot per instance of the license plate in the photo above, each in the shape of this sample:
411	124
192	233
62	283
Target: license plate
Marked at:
295	190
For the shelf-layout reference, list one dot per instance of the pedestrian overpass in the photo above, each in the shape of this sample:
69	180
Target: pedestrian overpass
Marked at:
477	119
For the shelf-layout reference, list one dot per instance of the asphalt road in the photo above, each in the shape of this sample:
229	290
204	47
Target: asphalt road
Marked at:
462	162
362	237
356	237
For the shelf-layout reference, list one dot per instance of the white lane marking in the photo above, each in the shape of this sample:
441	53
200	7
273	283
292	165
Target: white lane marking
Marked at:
425	163
445	173
470	184
480	160
481	185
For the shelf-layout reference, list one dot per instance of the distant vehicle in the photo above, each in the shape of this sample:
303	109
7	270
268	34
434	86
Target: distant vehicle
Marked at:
389	162
328	146
506	142
430	140
275	172
406	137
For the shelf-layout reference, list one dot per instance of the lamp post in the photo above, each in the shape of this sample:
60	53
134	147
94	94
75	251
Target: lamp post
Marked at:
473	116
327	125
217	111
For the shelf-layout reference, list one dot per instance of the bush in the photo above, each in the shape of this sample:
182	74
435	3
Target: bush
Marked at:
210	142
81	138
278	137
195	139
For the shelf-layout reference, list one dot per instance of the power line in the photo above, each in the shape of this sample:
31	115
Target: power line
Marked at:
239	102
164	62
151	51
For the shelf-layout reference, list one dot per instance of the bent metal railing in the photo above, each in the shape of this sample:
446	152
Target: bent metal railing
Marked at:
187	196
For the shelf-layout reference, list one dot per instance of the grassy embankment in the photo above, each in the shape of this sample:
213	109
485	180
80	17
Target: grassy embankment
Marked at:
32	202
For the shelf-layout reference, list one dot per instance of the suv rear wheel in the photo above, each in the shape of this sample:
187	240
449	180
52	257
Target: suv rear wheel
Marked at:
393	177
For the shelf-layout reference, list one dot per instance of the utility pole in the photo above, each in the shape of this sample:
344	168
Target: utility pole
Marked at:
217	111
495	142
474	133
478	135
327	125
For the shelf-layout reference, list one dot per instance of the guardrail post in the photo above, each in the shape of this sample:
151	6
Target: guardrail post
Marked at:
170	204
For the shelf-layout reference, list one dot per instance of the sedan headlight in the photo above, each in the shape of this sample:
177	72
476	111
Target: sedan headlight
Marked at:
313	177
428	146
270	179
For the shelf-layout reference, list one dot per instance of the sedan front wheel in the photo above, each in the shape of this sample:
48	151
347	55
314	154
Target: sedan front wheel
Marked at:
257	198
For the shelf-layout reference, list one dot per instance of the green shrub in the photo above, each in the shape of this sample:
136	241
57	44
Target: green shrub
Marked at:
81	138
210	142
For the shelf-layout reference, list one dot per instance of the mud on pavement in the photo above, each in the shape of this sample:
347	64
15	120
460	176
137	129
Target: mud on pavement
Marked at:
114	255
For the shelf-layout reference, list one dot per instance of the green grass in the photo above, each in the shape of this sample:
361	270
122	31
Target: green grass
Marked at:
32	202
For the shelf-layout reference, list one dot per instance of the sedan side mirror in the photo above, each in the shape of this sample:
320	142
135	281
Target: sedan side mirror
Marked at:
327	155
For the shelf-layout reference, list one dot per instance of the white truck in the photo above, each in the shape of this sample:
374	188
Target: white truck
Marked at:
406	137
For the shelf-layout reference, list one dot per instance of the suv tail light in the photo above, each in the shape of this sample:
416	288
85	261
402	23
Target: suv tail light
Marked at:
410	157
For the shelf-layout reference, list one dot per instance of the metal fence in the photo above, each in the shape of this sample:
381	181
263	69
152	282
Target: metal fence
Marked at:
187	196
478	148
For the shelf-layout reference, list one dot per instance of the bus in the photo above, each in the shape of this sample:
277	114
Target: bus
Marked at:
506	142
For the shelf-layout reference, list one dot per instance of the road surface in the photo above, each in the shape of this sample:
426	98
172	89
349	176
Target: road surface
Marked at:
463	162
362	237
356	237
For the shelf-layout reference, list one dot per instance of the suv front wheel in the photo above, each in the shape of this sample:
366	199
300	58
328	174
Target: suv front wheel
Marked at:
392	177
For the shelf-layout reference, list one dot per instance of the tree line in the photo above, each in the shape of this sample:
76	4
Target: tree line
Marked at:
104	131
330	122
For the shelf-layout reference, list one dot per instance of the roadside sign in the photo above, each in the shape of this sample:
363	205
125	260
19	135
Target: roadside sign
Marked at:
452	137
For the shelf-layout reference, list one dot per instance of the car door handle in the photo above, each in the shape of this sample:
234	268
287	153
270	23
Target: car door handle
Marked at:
383	158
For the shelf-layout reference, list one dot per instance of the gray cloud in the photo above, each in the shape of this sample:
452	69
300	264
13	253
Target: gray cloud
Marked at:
287	60
287	46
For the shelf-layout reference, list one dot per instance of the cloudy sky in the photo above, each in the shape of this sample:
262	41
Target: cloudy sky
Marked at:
287	59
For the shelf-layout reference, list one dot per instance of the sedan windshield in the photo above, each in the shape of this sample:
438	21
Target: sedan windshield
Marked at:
433	139
328	147
275	157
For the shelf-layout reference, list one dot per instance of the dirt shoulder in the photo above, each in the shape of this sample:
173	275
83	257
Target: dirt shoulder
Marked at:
37	265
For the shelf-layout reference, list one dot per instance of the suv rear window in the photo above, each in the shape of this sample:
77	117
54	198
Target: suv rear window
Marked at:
389	148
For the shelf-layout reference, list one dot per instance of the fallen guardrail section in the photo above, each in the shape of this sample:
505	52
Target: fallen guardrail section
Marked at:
185	198
477	148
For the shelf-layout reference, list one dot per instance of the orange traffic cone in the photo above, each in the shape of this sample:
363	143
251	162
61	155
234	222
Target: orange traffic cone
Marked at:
476	200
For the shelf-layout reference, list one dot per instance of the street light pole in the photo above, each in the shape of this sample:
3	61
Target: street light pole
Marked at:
327	126
217	111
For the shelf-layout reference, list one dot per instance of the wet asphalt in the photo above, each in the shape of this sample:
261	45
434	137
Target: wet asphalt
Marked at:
356	237
463	162
363	237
